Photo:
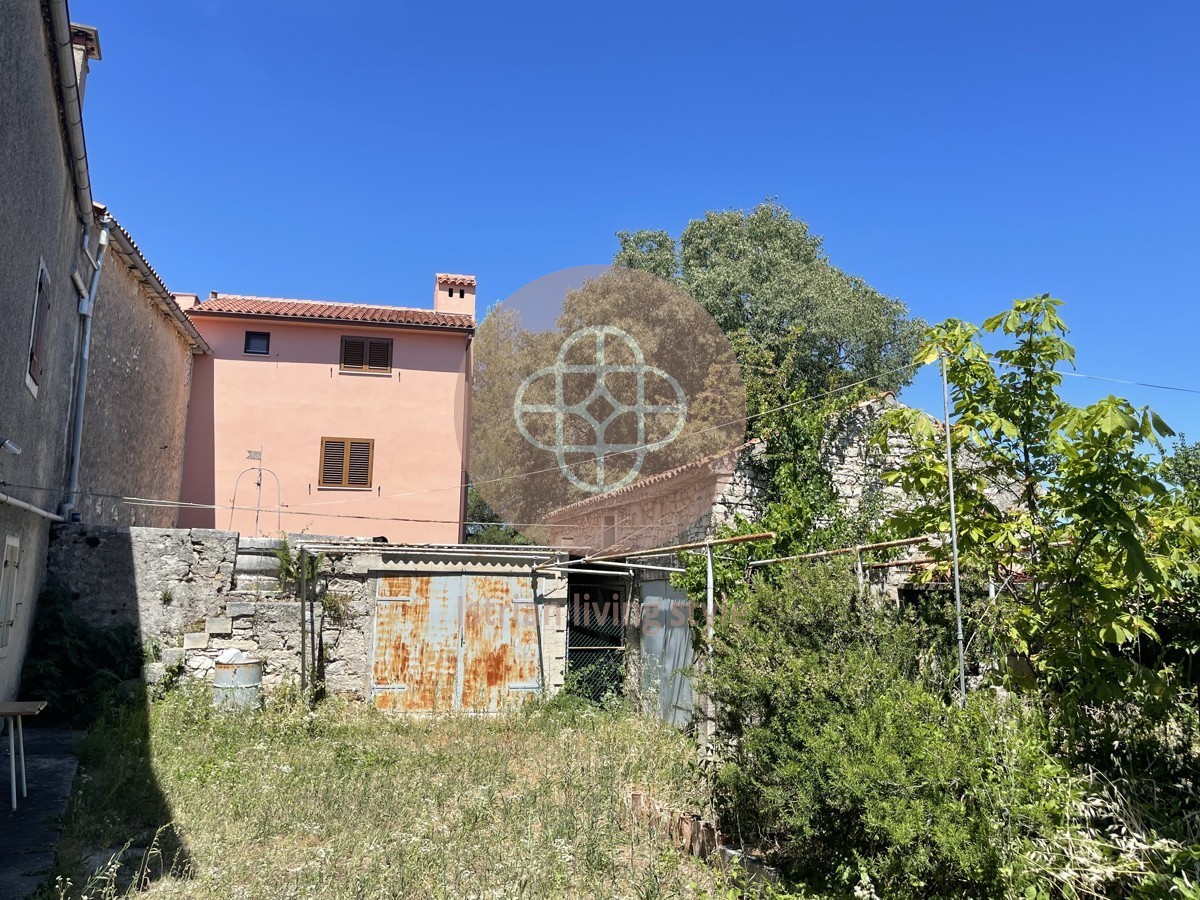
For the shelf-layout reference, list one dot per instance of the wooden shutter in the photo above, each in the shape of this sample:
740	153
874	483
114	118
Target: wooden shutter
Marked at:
358	470
333	462
354	353
41	309
379	355
347	462
8	588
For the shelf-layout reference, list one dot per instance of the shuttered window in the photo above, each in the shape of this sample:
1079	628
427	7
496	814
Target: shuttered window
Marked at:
367	354
8	590
37	339
347	462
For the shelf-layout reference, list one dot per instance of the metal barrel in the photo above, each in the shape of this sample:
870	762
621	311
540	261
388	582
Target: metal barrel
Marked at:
238	685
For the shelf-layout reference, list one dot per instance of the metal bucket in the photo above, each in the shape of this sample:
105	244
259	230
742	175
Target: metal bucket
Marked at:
238	685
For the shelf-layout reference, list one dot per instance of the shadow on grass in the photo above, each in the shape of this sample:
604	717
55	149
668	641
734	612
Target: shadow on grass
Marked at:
117	830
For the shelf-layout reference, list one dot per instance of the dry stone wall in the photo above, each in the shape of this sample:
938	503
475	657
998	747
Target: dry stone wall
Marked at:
856	465
193	593
185	593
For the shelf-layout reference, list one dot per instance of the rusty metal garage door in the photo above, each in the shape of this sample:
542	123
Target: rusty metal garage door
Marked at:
448	641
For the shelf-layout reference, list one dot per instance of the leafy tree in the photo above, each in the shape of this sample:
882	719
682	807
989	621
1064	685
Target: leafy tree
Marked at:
795	320
1182	467
1061	505
485	527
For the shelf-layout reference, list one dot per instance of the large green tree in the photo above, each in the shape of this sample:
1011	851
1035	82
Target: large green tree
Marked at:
798	323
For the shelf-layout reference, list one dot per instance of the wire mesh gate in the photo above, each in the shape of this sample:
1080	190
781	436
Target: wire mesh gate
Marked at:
596	639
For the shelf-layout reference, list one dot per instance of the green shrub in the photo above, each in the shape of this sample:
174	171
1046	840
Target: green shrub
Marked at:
289	566
841	762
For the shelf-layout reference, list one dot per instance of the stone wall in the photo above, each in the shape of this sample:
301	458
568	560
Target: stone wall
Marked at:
159	579
193	593
685	504
741	494
856	465
41	225
139	377
179	587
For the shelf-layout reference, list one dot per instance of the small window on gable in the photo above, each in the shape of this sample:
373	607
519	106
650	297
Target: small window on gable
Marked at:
8	590
366	354
258	343
36	371
347	462
610	531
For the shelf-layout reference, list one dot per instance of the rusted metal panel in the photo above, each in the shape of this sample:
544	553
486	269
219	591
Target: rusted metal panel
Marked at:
500	653
446	641
417	640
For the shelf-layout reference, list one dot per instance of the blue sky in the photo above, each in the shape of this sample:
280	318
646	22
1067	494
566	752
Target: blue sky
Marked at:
956	155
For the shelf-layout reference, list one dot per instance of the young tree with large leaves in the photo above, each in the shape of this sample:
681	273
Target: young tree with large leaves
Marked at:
1062	506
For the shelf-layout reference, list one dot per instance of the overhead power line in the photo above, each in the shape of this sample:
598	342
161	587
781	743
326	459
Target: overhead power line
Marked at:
310	510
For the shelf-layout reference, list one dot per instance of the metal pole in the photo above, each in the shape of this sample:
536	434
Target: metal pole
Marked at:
12	763
303	626
709	615
694	545
962	667
258	499
86	307
21	744
312	629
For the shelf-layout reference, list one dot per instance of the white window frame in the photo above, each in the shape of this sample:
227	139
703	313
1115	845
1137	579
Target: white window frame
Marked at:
8	591
29	382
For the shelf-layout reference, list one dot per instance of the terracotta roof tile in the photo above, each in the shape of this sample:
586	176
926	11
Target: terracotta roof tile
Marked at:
713	463
447	278
234	304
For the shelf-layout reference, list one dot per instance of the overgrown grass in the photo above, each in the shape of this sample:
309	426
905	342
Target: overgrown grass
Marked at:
343	801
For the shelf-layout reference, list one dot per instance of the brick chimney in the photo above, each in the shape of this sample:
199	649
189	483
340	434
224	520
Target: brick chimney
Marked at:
85	41
454	294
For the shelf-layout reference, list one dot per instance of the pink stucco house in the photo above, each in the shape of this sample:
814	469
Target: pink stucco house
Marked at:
357	415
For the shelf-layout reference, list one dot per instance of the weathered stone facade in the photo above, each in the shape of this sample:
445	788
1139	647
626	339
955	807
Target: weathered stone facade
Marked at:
139	378
42	228
856	464
159	579
685	504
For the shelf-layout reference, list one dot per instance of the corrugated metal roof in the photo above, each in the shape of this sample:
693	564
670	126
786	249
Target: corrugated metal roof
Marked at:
359	313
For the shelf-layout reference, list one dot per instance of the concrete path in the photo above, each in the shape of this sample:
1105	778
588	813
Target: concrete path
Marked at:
28	836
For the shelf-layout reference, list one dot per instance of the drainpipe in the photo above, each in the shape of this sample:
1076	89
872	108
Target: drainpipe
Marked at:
60	27
28	507
85	314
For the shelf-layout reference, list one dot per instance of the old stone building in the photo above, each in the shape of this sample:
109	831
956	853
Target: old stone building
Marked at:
688	503
95	355
49	241
693	502
139	376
